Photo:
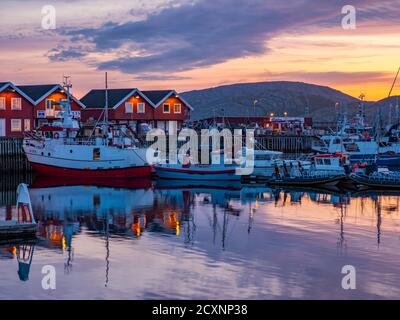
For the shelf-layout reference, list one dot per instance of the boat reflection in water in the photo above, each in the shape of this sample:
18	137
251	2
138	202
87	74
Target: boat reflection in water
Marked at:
215	235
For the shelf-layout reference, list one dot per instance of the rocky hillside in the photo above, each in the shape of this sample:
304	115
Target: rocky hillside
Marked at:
276	97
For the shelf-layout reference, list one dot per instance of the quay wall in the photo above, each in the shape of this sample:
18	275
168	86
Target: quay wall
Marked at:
12	157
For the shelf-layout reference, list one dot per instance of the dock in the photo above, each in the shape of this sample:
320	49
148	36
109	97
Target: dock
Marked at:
14	229
25	226
12	157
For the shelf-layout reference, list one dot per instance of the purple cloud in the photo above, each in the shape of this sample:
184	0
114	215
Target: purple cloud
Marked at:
206	33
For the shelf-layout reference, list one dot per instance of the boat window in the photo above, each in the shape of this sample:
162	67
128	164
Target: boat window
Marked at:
351	147
336	141
319	161
96	154
327	161
262	157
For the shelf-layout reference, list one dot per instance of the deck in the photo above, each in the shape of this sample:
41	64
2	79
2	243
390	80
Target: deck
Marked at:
14	229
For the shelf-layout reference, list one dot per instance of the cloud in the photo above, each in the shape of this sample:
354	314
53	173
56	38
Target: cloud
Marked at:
159	77
203	33
331	77
62	53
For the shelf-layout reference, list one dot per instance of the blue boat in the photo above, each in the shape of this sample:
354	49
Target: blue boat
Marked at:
389	159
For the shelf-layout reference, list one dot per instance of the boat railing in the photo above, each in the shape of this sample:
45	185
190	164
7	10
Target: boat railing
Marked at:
392	177
92	141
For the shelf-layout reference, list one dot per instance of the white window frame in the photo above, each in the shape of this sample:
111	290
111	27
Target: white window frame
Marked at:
178	105
2	103
50	108
27	122
13	129
130	104
169	108
141	104
47	104
41	114
16	104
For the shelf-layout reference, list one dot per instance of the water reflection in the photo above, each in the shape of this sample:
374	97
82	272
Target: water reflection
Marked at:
244	227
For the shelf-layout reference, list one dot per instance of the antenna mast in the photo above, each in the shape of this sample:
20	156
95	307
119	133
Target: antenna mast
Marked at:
67	86
106	104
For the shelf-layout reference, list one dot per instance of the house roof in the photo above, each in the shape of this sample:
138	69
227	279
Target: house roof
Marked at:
95	99
3	85
159	96
39	92
36	93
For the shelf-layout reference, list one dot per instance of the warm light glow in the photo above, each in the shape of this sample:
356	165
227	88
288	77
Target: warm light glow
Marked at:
63	243
136	228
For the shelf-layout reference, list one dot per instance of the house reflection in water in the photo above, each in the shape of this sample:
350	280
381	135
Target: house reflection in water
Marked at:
172	208
24	258
62	211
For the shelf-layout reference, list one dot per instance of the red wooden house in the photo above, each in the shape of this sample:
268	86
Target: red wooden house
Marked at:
24	108
168	107
16	111
133	107
45	99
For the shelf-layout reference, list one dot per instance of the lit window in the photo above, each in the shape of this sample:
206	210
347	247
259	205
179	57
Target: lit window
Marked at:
49	103
15	125
2	103
27	125
166	108
177	108
50	109
128	107
140	107
16	104
96	154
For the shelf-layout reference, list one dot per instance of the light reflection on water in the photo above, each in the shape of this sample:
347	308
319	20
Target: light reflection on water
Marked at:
177	240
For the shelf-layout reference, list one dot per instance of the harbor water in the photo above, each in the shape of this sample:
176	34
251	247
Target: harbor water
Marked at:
183	240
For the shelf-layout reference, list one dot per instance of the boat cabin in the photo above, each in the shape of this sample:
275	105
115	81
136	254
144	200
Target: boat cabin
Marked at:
328	162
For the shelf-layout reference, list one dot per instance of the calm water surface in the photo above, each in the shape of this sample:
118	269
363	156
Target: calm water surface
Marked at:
175	240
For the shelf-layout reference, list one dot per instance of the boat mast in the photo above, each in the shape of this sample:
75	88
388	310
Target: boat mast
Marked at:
389	95
106	105
67	86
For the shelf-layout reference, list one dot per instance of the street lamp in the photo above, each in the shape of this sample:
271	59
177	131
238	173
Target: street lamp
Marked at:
272	114
285	114
254	108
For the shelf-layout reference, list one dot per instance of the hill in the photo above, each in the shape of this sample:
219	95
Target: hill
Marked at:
276	97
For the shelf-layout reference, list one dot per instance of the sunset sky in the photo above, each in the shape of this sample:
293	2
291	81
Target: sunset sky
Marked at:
195	44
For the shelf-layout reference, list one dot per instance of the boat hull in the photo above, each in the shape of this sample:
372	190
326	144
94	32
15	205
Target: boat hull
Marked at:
375	183
17	231
301	181
390	161
115	173
191	174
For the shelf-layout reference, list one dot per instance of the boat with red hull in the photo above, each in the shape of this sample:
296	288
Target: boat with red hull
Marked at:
57	150
54	171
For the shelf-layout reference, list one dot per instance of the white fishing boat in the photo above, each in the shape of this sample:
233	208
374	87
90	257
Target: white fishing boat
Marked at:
217	169
57	150
265	162
25	225
327	169
354	138
380	179
359	148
